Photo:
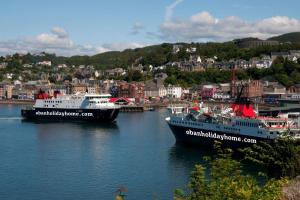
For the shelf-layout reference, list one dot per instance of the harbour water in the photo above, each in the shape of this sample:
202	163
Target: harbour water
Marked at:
90	161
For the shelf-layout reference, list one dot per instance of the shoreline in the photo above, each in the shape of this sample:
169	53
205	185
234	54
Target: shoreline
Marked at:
147	105
16	102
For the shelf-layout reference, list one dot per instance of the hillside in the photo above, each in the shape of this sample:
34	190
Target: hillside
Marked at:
161	54
288	37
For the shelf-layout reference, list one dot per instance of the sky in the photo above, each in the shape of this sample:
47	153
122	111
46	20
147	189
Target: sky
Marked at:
74	27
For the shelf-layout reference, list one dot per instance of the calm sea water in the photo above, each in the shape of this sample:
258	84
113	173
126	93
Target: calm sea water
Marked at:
90	161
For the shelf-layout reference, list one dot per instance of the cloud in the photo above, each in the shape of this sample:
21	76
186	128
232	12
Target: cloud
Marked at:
60	32
59	42
122	46
136	28
204	26
170	9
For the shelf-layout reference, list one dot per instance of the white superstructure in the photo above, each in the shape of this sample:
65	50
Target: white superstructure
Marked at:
84	101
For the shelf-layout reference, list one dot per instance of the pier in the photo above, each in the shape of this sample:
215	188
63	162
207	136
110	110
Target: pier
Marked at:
132	109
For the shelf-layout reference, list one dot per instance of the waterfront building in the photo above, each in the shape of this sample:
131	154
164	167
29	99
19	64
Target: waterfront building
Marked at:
151	91
6	91
131	90
294	89
162	91
208	91
174	91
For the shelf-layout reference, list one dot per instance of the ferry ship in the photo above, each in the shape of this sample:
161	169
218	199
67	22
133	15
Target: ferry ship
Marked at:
77	107
236	126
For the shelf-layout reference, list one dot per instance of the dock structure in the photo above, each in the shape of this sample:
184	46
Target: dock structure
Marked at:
132	109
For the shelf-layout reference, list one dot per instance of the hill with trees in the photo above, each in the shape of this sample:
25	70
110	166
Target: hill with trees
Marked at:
288	37
161	54
284	71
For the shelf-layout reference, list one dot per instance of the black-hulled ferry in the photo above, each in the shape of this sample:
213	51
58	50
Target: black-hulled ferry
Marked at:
235	127
77	107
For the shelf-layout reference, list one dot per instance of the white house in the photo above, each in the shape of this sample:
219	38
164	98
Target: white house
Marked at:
45	63
62	66
174	91
92	90
162	91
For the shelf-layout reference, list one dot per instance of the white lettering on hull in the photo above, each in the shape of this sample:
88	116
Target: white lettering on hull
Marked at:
63	114
220	136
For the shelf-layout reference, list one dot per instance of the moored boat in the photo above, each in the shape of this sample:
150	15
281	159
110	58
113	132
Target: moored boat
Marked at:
234	127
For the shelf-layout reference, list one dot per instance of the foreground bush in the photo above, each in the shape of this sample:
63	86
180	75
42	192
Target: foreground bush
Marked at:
226	181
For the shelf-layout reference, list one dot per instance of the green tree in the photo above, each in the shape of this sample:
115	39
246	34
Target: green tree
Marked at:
295	75
280	158
137	76
227	181
284	79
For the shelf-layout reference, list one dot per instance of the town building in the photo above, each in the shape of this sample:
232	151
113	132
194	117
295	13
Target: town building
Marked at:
115	72
79	88
44	63
93	89
273	90
251	88
131	90
208	91
3	65
174	91
6	91
275	55
151	91
294	89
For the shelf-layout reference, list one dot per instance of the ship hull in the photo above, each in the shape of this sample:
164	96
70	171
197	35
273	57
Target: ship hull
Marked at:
58	114
207	138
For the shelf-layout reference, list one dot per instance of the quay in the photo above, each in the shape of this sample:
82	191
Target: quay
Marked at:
132	109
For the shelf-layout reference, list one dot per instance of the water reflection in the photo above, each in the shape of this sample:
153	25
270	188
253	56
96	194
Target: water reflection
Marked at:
89	126
181	154
72	130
